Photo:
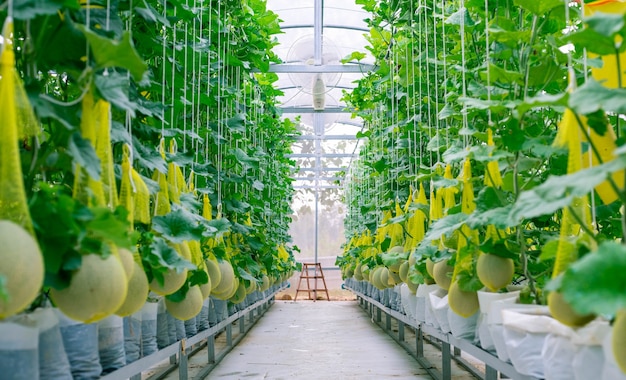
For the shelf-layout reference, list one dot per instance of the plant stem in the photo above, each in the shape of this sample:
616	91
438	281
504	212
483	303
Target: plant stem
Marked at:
582	224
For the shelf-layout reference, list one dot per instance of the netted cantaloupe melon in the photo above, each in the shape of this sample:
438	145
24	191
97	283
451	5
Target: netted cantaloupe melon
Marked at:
188	307
495	272
442	273
358	275
404	272
21	265
240	294
97	289
126	257
265	283
618	340
461	302
206	288
213	268
138	289
563	312
430	266
227	274
172	279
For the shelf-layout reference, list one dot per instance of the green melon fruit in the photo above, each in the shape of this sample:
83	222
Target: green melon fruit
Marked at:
563	312
97	289
412	258
227	278
384	277
213	269
404	272
240	294
206	288
495	272
21	266
412	286
461	302
172	279
430	265
128	262
375	279
618	340
442	273
251	287
189	307
394	278
358	275
138	289
265	283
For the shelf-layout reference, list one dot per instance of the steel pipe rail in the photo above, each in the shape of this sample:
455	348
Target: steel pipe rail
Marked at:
180	351
450	346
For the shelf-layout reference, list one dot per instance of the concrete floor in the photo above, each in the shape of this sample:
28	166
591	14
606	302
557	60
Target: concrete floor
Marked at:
317	340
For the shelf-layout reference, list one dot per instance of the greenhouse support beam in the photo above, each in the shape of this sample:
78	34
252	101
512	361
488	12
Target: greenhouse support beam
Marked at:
318	31
327	137
329	26
320	187
318	178
311	110
322	169
325	155
360	68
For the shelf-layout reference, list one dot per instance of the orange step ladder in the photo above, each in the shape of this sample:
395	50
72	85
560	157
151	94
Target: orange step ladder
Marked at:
317	274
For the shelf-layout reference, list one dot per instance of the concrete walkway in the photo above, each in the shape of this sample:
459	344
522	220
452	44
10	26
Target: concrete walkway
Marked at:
317	340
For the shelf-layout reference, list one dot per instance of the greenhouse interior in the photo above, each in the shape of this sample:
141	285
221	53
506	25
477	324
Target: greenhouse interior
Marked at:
310	189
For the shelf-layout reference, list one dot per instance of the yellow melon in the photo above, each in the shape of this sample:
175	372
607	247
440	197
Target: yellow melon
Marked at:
563	312
213	268
251	287
442	273
138	289
618	340
461	302
495	272
240	294
128	262
412	286
404	272
358	275
265	283
227	278
188	307
430	265
21	266
206	288
97	289
172	279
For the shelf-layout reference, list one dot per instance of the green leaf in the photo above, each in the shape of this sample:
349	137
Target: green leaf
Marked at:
605	24
592	96
354	56
161	256
593	41
444	226
596	283
548	251
177	226
106	226
390	258
28	9
114	88
245	275
459	17
559	191
215	227
83	153
538	7
111	53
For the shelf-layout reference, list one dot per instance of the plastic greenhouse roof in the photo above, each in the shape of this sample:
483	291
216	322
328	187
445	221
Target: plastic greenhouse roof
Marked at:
316	36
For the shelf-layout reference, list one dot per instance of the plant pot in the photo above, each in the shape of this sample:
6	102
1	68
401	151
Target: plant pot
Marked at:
53	363
462	328
149	328
421	306
81	345
439	307
485	299
111	343
132	337
525	332
493	322
611	370
19	357
588	361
